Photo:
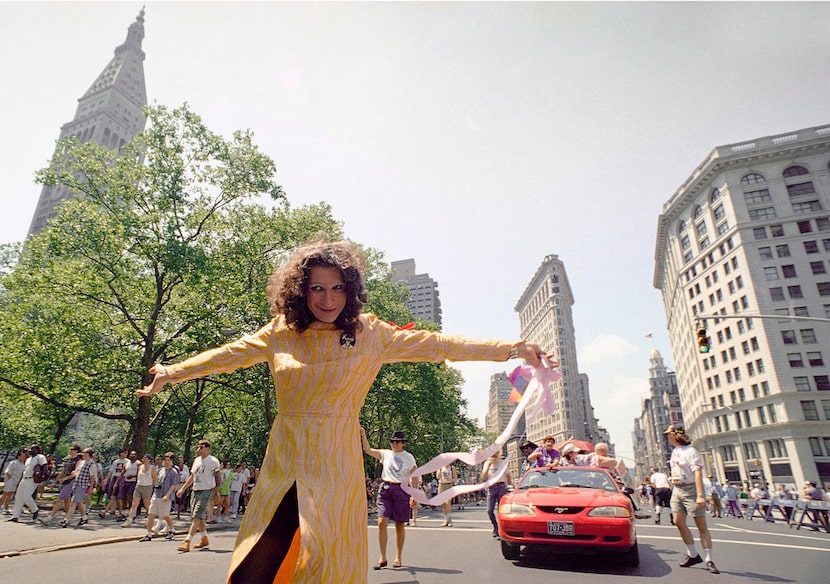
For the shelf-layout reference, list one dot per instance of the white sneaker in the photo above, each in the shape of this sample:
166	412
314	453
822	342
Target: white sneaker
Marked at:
127	523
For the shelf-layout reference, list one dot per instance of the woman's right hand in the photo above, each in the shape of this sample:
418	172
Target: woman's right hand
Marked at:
160	379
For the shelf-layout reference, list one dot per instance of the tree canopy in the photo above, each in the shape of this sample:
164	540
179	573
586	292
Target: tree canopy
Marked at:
164	251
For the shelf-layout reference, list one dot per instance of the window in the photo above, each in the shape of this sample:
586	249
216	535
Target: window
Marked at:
802	383
752	178
714	195
808	408
700	228
771	273
685	242
776	447
728	453
801	311
723	227
826	244
783	251
810	247
776	294
773	417
681	227
799	189
765	253
750	369
751	450
806	207
808	336
789	337
815	359
719	213
759	196
804	227
744	344
815	447
825	405
762	213
823	223
789	271
823	288
698	212
795	292
704	243
795	359
776	230
760	233
795	170
739	281
818	268
822	382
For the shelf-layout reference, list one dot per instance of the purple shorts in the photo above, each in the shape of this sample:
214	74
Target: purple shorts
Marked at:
126	489
66	490
393	502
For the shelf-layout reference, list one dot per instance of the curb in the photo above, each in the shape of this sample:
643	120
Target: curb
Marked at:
68	546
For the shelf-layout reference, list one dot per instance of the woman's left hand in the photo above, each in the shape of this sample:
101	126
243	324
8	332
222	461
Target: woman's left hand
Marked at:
531	352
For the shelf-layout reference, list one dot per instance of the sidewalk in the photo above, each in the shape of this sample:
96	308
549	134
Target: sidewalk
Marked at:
27	537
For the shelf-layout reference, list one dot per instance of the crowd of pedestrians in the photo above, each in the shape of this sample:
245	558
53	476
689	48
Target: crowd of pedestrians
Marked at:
132	490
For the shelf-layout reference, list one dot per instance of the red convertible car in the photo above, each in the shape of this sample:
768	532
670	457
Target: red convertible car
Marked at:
568	508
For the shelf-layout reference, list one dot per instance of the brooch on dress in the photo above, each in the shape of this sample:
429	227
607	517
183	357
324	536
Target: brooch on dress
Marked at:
347	340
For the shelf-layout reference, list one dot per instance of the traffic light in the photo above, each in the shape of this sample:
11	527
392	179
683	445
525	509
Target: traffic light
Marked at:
702	340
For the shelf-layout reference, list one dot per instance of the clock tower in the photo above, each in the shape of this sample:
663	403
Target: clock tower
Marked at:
110	113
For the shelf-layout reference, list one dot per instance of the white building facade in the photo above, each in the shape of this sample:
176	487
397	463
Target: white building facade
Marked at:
746	238
546	318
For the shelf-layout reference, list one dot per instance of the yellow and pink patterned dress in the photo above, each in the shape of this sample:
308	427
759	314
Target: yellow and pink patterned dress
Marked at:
320	387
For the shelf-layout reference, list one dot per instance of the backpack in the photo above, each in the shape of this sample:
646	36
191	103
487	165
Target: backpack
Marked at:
42	473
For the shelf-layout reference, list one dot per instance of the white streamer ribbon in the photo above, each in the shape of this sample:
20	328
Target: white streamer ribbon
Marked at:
540	379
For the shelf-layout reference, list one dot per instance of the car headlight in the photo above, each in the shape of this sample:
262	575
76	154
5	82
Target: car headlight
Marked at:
610	511
515	509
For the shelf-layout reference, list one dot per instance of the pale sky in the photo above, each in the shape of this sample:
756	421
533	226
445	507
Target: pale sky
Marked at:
475	138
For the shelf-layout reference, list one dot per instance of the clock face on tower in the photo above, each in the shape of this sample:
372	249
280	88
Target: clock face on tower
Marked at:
504	393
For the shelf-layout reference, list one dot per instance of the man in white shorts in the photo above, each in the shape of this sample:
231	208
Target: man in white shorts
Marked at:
164	491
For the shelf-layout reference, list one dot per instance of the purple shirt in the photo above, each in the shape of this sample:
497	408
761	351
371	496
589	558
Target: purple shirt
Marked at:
548	456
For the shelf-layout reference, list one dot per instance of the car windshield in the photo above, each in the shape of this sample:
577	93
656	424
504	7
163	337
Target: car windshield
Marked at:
568	478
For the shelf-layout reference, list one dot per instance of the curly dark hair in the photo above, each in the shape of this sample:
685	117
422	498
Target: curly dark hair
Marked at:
286	289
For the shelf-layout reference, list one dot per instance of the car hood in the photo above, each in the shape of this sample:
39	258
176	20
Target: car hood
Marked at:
568	496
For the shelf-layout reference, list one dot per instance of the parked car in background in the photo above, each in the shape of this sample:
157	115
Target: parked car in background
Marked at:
573	508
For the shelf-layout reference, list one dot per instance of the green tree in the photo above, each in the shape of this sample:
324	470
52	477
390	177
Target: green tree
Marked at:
161	250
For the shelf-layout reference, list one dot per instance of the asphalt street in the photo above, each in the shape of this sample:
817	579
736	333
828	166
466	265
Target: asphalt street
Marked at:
745	551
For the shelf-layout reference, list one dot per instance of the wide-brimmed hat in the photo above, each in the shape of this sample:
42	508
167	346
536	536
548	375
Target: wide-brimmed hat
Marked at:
672	429
569	448
397	436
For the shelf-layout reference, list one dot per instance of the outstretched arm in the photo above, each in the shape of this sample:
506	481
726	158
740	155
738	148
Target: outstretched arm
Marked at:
245	352
366	447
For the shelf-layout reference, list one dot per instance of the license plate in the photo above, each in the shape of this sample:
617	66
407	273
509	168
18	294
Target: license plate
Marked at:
560	528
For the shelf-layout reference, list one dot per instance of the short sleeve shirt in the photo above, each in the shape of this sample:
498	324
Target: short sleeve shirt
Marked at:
204	472
394	465
685	460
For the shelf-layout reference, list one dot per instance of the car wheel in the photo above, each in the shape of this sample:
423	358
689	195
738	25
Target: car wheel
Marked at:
510	552
632	556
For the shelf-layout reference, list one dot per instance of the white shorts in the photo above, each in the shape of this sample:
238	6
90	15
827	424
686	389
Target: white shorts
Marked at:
159	507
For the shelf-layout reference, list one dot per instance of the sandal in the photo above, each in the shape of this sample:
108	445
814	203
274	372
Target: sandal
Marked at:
396	564
379	565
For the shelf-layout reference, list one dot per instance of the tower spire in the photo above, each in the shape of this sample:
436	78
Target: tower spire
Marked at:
110	113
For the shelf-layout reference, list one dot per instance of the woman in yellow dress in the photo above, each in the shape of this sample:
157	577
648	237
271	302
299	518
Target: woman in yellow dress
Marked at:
307	520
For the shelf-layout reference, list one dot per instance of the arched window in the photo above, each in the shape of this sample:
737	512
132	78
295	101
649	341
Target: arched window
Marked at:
752	178
681	227
698	212
714	196
795	170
